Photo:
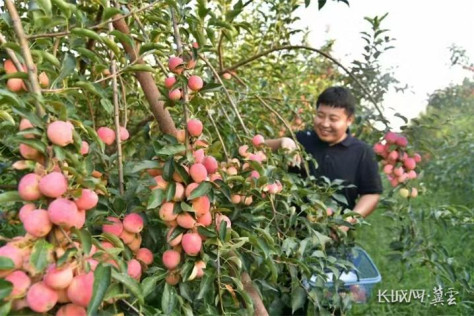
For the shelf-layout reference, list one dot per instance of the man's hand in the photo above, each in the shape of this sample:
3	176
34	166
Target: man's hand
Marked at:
290	145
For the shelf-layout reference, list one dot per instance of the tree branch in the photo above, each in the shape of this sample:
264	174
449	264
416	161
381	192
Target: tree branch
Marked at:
234	106
116	115
290	47
148	85
117	18
25	50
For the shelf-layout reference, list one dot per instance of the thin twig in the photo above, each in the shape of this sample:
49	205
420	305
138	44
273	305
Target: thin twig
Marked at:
219	51
25	50
218	135
11	53
132	307
116	114
326	55
97	26
234	106
179	49
287	125
124	101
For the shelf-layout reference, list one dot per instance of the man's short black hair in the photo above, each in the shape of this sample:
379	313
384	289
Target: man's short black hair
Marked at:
338	97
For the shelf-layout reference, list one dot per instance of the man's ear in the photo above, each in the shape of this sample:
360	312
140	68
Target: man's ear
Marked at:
350	119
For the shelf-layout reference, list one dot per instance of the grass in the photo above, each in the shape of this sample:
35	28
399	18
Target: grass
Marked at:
376	238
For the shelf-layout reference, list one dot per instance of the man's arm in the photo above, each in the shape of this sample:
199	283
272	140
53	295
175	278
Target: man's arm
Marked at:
364	206
285	143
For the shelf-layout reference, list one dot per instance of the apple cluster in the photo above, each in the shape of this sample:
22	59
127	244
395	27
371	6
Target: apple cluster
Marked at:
186	210
55	208
179	67
399	166
17	84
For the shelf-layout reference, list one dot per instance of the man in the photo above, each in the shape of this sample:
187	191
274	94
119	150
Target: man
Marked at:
338	154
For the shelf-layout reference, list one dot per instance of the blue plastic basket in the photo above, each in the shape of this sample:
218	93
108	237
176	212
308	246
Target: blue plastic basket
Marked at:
358	283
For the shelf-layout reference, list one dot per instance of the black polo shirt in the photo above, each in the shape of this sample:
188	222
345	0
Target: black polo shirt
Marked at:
351	160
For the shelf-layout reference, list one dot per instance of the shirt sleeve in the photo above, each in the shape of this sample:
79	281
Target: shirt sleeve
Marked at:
368	176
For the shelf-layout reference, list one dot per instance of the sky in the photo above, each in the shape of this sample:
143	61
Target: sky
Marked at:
423	29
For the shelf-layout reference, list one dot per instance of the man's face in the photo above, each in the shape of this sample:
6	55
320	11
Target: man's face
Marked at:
331	123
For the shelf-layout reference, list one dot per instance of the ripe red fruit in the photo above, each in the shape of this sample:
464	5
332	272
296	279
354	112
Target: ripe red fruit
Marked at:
71	310
43	80
391	137
198	172
58	278
21	282
29	152
9	67
84	148
134	269
145	256
41	298
63	212
210	163
171	259
417	157
201	205
107	135
258	140
194	127
166	212
60	133
87	200
409	163
186	220
38	223
175	64
169	82
80	289
195	83
25	211
53	184
15	85
115	227
401	141
124	135
192	244
226	75
28	187
175	95
133	223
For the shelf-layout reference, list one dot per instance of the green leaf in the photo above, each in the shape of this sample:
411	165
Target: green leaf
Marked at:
156	198
112	45
10	196
86	33
10	98
298	298
88	87
40	255
168	169
321	4
141	67
5	308
35	143
168	299
122	37
149	283
59	152
202	189
6	263
102	275
145	164
86	239
45	6
206	282
170	150
130	284
5	288
109	13
69	64
4	115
